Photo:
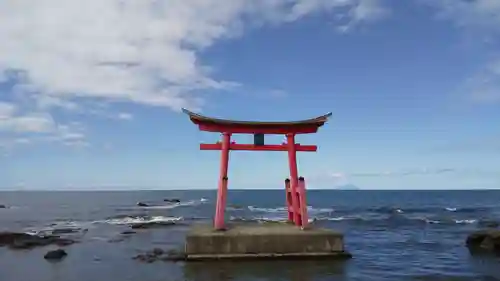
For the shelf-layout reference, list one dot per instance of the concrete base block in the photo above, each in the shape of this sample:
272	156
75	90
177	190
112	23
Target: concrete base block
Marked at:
267	240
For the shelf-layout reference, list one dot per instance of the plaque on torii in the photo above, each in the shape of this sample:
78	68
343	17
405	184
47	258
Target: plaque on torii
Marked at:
295	186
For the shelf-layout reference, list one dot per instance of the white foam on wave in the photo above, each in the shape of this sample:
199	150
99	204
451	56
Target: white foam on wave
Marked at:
284	209
336	219
267	210
75	225
451	209
465	221
176	205
139	220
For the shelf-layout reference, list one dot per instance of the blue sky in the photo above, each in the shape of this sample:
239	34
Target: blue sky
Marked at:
86	103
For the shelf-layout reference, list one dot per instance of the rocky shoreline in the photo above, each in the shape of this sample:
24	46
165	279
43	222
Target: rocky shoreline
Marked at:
16	240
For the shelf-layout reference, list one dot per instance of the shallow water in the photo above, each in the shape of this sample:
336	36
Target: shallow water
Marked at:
393	235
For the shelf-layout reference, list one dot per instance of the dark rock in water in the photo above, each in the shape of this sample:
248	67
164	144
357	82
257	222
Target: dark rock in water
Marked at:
489	224
127	232
172	200
152	225
7	238
26	241
159	254
55	255
484	242
65	230
140	204
3	207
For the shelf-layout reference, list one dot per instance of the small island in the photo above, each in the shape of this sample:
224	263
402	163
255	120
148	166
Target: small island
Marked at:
347	187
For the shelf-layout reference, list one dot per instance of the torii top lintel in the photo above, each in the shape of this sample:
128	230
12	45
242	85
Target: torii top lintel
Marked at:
209	124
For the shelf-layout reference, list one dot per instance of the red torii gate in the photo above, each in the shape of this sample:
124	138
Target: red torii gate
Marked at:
295	188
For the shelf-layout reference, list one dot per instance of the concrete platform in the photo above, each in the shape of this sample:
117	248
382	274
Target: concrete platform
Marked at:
267	240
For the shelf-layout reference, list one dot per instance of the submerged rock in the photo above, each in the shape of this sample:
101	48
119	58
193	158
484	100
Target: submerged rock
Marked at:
484	242
26	241
65	230
175	200
147	225
55	255
141	204
159	254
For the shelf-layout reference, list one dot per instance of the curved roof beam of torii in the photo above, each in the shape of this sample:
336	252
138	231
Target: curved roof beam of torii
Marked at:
200	119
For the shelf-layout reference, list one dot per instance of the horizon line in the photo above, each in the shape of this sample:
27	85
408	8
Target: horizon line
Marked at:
237	189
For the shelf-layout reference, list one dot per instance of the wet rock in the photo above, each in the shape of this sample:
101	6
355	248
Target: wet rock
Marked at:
173	255
3	207
147	225
128	232
484	242
141	204
55	255
145	258
7	238
159	254
65	230
175	200
26	241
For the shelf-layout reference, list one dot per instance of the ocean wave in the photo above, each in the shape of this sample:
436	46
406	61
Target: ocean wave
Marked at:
60	227
175	205
310	209
410	210
263	219
130	220
398	220
401	220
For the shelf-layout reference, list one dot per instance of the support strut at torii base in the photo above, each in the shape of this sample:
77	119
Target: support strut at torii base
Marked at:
295	186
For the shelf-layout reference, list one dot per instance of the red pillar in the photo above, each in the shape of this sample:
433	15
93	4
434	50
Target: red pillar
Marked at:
222	188
289	195
303	202
292	160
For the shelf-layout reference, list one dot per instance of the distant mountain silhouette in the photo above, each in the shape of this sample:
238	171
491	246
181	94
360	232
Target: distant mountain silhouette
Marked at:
347	187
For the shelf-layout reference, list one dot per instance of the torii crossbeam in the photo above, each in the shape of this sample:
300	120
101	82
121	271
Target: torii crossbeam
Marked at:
295	188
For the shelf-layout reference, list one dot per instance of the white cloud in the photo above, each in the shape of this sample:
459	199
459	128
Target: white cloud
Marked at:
125	116
6	110
479	17
34	123
485	85
73	55
469	13
48	102
141	51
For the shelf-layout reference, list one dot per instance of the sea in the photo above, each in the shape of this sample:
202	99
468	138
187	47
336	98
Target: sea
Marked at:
392	235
